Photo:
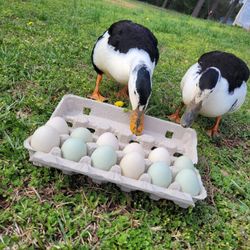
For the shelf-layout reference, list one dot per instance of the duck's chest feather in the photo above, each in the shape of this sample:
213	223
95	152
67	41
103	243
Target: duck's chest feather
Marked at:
221	101
116	64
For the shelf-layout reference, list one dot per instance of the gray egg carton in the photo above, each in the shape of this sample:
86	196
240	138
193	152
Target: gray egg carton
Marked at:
103	117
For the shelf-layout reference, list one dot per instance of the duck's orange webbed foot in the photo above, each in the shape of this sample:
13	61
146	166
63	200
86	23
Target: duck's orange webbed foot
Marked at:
96	94
214	131
175	117
98	97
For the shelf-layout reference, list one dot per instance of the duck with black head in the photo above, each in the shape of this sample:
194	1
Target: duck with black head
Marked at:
212	87
128	53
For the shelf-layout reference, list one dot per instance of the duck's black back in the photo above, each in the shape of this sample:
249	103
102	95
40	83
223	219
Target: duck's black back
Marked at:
231	67
125	35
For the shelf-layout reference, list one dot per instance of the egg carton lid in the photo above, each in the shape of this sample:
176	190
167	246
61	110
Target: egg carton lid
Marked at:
103	117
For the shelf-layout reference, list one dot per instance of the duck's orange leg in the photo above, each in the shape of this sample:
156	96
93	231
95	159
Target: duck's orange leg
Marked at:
123	92
96	94
215	129
175	117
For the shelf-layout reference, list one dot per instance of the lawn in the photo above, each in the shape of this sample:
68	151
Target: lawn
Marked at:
45	49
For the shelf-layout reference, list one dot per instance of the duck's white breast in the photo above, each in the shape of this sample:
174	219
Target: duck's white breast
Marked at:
221	101
115	64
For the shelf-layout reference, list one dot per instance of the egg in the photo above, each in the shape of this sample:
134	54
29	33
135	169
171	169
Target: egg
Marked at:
160	174
132	165
74	149
134	147
159	154
59	124
188	181
183	162
82	133
104	157
108	139
45	138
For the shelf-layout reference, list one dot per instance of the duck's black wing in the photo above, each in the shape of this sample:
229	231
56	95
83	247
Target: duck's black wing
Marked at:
231	67
125	35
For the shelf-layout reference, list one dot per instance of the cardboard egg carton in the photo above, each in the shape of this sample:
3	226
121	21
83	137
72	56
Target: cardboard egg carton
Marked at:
101	118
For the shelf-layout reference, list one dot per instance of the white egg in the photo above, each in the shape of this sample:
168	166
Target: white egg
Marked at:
134	147
74	149
45	138
104	157
108	139
59	124
132	165
159	154
82	133
182	162
160	174
188	181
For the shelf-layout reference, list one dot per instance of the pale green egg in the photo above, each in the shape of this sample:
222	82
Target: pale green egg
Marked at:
104	157
160	174
188	181
82	133
74	149
183	162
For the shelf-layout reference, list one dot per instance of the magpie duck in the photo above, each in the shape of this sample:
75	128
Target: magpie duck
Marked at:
128	53
212	87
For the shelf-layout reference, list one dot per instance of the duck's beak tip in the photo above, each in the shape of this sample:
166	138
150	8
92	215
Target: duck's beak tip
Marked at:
190	114
137	122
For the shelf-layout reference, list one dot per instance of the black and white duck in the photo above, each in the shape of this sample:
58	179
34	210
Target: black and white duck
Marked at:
128	53
212	87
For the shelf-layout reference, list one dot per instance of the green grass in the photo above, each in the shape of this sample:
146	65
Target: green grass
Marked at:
45	49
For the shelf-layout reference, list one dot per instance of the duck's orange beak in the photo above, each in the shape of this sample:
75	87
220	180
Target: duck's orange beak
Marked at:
137	122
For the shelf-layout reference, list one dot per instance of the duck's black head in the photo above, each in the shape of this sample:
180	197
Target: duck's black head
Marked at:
207	83
139	94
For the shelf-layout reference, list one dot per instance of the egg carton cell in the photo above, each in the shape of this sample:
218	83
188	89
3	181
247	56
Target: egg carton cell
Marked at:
100	118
